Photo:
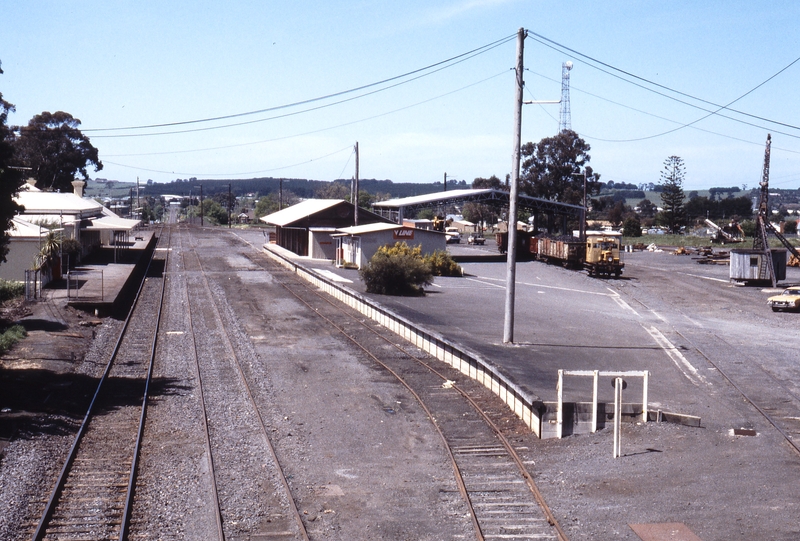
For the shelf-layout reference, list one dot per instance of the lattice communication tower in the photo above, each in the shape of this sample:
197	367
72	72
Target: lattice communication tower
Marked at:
565	118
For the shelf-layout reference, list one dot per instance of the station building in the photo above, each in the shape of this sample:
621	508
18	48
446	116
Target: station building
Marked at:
307	228
356	245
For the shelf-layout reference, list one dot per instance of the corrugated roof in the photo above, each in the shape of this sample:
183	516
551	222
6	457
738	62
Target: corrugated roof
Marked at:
38	202
369	228
24	229
299	211
113	222
430	197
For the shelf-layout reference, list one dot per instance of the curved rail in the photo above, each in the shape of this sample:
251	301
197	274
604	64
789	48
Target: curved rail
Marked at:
62	478
551	519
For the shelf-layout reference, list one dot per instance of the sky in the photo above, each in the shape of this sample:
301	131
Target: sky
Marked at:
425	88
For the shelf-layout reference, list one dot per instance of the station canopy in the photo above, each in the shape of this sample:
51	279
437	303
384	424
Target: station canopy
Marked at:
397	209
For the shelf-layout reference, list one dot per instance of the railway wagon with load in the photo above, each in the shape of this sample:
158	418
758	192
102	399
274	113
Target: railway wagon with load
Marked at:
598	254
523	243
568	252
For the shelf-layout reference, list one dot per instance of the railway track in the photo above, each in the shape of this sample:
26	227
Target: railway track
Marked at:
93	493
476	429
769	395
234	425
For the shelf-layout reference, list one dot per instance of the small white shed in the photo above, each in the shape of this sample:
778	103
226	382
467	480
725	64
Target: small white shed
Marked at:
356	245
25	243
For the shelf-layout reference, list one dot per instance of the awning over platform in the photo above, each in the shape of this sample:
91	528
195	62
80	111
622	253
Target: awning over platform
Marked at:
113	223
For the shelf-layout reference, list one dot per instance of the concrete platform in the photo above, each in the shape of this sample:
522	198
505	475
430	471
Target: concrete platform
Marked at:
564	320
103	287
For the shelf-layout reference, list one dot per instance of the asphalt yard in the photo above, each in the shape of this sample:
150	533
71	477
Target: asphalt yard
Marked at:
714	350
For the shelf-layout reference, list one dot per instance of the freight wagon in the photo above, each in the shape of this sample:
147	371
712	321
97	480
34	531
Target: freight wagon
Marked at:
599	254
568	252
523	243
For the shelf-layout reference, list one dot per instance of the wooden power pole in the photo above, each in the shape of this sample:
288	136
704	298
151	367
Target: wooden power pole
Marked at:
511	261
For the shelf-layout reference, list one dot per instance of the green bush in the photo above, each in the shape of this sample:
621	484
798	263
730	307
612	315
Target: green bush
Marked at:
396	270
11	336
442	264
11	290
632	227
71	248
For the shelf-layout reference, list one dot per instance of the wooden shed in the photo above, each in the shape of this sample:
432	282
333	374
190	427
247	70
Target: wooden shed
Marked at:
307	228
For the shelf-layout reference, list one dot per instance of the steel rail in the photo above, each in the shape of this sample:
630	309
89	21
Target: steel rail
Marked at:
60	482
218	514
758	408
550	516
126	514
456	471
551	519
284	482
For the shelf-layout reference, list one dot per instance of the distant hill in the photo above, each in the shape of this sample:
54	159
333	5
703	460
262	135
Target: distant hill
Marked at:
261	186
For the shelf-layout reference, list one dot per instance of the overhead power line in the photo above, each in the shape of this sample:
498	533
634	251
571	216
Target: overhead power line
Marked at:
224	175
441	65
563	48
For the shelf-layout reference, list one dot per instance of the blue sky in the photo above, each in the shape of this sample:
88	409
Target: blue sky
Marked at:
119	64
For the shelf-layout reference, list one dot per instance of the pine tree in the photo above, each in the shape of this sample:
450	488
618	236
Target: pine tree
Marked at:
673	214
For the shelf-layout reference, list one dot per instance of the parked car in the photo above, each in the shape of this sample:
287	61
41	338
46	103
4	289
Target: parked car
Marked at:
788	300
453	236
476	238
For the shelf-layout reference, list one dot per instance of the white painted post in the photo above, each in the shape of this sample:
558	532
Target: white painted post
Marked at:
594	401
617	415
559	413
645	382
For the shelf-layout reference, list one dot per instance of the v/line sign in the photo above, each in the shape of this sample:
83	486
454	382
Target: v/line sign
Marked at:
403	234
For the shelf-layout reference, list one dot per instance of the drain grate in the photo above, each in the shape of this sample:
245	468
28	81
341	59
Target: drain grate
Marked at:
666	531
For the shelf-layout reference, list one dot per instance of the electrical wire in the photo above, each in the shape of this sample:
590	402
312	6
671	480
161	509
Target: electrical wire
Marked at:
312	132
452	61
229	174
578	89
682	102
192	130
346	163
555	46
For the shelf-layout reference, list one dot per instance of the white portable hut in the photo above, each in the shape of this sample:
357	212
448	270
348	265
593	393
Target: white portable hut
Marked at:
356	245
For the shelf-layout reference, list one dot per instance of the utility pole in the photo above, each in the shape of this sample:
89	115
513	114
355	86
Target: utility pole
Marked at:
230	202
511	261
280	195
201	205
445	181
355	190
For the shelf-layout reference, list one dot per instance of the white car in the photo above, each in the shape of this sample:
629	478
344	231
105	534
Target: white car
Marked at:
453	236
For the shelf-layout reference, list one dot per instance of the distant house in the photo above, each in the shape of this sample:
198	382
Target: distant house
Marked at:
356	245
463	226
307	227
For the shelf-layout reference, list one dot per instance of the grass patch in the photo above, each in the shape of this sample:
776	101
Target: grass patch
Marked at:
11	336
11	290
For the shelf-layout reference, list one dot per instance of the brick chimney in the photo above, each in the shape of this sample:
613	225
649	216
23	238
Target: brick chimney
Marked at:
78	186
